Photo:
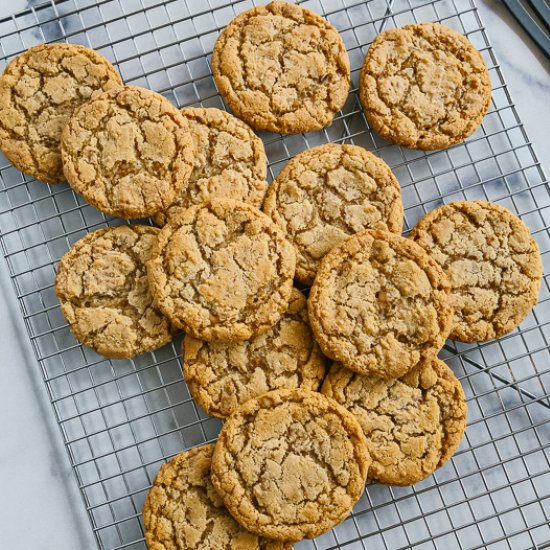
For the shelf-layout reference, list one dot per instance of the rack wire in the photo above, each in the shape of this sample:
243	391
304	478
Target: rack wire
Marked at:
120	420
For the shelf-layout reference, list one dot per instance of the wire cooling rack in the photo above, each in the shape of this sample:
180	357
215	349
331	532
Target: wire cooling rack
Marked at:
121	420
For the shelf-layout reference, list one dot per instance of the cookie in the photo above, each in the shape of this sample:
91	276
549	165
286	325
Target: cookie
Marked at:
222	271
39	91
327	193
182	511
492	263
380	305
290	464
222	377
230	162
282	68
128	152
101	283
424	86
413	424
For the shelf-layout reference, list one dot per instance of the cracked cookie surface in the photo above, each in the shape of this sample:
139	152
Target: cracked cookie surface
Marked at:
222	271
101	283
424	86
39	91
230	162
128	152
222	377
413	424
282	68
290	464
492	262
379	305
182	510
327	193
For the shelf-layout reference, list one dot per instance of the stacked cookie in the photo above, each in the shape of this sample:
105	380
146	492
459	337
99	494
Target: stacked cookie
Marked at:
298	443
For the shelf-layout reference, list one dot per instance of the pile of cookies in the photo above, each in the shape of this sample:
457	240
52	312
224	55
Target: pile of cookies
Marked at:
298	442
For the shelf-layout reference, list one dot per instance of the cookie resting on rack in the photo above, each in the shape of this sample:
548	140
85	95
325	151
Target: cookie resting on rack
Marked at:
128	152
492	262
380	305
182	510
101	283
413	424
39	91
222	271
282	68
290	464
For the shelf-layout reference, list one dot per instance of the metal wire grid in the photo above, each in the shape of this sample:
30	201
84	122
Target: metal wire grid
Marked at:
121	420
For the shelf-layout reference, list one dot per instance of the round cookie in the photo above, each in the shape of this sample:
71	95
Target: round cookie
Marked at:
492	262
222	271
282	68
222	377
182	511
380	305
424	86
290	464
39	91
128	152
327	193
413	424
230	162
101	283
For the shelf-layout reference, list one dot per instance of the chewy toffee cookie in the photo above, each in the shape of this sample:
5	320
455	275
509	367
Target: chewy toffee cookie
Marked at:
380	306
222	271
230	162
492	262
282	68
182	510
424	86
101	283
128	152
39	91
290	464
327	193
413	424
221	377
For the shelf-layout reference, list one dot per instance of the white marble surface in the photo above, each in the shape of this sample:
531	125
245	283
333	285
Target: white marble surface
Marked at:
40	506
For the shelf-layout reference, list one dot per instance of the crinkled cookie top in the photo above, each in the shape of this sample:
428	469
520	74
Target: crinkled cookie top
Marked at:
282	68
39	91
182	510
413	424
290	464
222	271
230	162
424	86
327	193
128	152
492	262
102	286
380	305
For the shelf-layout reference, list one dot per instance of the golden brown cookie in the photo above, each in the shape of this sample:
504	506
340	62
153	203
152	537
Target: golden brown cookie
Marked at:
424	86
101	283
290	464
413	424
282	68
327	193
492	262
230	163
222	271
222	377
128	152
380	306
39	91
182	511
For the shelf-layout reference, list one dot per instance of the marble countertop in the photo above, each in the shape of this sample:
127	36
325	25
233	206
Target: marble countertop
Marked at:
40	506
